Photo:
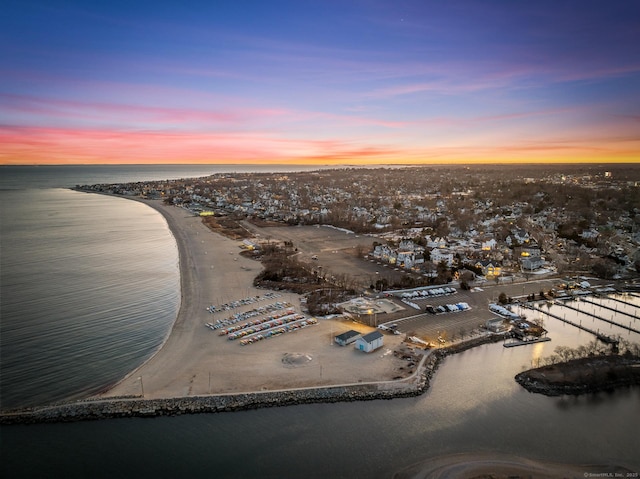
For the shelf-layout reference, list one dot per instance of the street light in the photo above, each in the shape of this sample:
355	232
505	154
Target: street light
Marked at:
141	385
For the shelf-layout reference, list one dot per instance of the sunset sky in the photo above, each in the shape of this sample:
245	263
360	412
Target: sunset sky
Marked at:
330	82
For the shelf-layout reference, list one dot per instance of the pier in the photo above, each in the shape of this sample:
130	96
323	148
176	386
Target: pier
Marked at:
524	342
612	309
602	337
620	300
629	328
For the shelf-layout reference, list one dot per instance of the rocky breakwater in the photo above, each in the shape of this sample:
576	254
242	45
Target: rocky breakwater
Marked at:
137	407
459	347
582	376
123	407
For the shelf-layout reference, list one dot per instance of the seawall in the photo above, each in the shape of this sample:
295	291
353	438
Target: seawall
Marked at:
138	407
124	407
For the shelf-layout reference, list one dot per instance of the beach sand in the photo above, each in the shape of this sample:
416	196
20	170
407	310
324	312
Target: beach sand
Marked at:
502	466
195	360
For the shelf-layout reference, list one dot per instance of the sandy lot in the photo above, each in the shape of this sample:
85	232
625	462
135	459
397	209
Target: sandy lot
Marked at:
335	249
195	360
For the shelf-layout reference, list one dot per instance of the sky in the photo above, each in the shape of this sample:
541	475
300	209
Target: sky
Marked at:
326	82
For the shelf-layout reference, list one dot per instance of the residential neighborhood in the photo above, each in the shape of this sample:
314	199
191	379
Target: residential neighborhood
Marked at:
438	221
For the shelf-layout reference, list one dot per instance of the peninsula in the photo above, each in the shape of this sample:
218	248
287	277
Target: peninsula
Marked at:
582	375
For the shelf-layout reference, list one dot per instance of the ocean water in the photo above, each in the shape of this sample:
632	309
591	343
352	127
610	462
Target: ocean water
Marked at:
90	286
89	283
81	305
60	176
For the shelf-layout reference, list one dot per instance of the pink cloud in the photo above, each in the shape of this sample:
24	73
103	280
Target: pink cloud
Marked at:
469	77
106	146
57	145
43	111
131	114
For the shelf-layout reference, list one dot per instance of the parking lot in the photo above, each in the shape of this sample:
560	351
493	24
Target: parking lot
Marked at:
335	252
449	325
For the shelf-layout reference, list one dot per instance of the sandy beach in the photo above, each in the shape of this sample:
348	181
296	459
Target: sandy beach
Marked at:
502	466
194	360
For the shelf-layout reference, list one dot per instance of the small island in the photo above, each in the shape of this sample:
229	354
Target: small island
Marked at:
583	375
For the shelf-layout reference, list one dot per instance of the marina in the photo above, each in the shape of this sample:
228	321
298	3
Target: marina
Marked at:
615	310
602	337
614	323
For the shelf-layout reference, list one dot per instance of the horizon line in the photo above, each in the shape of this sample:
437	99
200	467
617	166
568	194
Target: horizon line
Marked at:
450	163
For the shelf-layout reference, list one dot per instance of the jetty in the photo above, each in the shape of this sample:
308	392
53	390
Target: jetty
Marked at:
524	342
602	337
629	328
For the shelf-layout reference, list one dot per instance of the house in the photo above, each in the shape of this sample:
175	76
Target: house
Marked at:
520	236
531	263
385	253
405	259
496	325
438	255
530	251
370	342
406	245
589	234
489	268
489	245
435	243
347	338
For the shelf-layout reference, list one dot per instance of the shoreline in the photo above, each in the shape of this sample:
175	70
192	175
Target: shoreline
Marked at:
135	406
193	361
191	279
83	410
195	357
179	245
582	376
182	254
187	350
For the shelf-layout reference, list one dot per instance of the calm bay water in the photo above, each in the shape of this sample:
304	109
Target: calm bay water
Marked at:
90	289
90	283
90	286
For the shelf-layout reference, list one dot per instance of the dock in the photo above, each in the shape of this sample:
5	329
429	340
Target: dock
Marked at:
611	298
524	342
629	328
602	337
610	308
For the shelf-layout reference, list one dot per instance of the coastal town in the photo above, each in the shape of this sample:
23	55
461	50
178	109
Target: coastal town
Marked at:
386	247
432	220
354	284
366	239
